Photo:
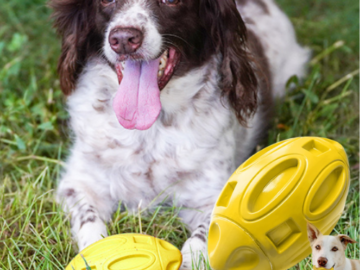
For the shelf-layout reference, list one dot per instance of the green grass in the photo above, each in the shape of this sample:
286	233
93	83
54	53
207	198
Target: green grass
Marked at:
34	233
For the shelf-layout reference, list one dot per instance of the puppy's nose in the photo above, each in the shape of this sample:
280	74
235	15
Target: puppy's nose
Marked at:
322	261
125	40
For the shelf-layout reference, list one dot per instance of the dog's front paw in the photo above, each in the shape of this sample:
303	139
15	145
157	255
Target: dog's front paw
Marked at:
194	253
90	233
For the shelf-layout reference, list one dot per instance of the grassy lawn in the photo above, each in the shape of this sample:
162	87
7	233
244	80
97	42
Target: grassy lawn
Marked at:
34	234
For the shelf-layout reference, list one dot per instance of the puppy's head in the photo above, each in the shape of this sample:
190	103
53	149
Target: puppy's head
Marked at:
181	34
327	251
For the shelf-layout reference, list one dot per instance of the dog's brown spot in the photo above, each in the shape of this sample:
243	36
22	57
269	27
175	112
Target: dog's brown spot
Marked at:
113	143
90	211
263	6
199	94
99	108
142	18
89	219
167	119
200	236
139	150
69	192
249	21
149	175
183	175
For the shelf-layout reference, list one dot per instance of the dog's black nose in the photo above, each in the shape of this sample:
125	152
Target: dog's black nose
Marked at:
322	261
125	40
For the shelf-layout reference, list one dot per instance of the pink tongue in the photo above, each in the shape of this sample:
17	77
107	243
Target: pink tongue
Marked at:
137	101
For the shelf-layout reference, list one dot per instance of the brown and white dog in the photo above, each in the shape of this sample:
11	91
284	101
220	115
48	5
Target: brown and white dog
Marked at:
329	251
166	97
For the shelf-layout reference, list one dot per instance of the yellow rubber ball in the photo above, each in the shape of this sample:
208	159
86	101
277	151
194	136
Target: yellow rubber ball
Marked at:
259	220
128	252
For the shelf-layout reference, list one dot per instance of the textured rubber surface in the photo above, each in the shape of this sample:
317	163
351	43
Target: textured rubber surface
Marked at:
259	221
128	252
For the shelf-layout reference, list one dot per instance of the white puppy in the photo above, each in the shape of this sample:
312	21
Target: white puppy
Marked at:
329	251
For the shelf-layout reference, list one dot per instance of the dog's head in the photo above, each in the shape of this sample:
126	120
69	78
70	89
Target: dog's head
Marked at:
327	251
160	38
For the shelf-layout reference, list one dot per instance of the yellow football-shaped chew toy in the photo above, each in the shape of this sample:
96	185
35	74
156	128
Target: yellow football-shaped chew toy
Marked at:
128	252
322	268
259	220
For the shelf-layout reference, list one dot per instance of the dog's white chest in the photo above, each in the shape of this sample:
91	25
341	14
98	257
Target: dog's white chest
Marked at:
189	135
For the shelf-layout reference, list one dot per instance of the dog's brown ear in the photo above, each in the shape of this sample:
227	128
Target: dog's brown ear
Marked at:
312	232
73	20
345	240
226	35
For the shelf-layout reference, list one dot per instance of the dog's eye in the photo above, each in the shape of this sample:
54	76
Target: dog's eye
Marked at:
334	249
318	247
107	2
170	2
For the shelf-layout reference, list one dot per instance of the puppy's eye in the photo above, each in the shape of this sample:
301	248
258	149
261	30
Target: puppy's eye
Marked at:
170	2
318	247
334	249
107	2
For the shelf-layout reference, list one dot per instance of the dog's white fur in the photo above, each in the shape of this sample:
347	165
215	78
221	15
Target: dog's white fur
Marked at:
186	162
278	38
331	249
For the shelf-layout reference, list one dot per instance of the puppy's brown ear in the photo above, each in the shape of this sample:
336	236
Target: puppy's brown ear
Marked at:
345	240
74	20
312	232
226	35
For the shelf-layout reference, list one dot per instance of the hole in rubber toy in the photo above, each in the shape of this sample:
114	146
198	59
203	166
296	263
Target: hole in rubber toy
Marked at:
276	184
338	147
173	266
130	262
242	259
326	191
142	240
284	235
315	147
215	236
226	194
